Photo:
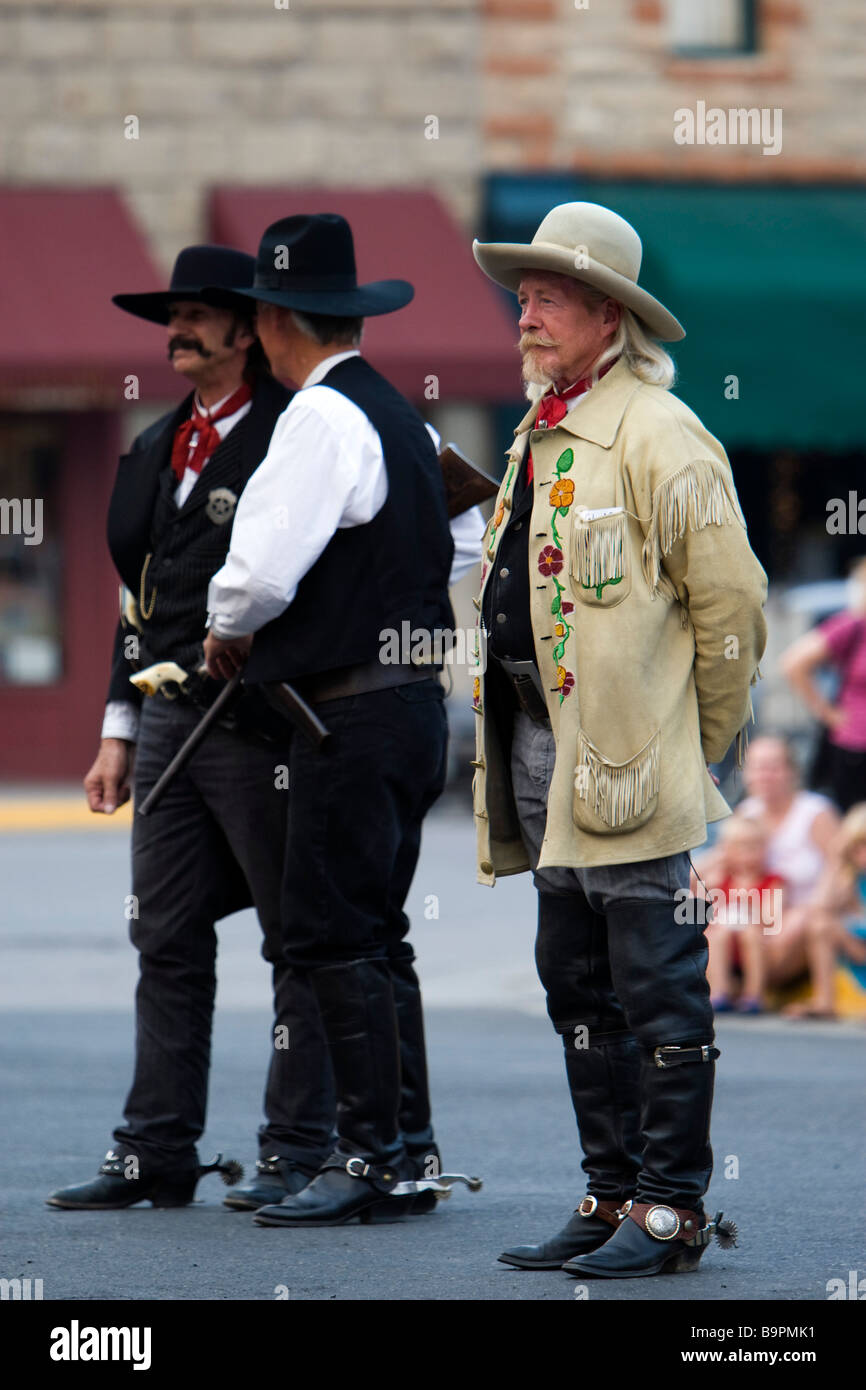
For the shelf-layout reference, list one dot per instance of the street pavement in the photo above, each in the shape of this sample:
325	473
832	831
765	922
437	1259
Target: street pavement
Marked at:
788	1127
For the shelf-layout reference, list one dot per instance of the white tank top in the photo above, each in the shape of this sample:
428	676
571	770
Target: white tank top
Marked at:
791	852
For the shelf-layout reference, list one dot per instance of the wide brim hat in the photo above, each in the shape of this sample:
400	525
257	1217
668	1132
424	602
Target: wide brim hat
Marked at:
307	262
195	267
589	243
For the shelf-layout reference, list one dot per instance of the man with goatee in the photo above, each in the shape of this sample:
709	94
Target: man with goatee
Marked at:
623	610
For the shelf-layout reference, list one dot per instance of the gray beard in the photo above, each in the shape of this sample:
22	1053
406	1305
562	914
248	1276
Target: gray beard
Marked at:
536	383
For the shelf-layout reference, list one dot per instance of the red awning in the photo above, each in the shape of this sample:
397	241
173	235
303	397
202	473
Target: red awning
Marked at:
457	327
63	254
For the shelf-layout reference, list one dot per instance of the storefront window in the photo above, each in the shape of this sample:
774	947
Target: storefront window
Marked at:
30	559
711	27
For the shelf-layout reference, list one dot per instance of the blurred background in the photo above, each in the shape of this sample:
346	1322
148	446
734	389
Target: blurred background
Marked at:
132	130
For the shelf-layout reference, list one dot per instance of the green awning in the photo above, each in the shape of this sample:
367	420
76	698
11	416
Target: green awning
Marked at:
769	283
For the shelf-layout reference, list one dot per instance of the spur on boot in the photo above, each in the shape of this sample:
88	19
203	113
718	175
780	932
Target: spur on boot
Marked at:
592	1224
343	1189
120	1183
657	1239
275	1179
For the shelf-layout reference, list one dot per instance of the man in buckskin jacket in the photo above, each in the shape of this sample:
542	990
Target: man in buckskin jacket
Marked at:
622	606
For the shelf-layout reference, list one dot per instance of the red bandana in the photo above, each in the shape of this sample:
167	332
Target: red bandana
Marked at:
554	406
203	424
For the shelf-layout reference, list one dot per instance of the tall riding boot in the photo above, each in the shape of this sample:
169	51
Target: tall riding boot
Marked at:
416	1123
659	968
356	1000
299	1097
602	1064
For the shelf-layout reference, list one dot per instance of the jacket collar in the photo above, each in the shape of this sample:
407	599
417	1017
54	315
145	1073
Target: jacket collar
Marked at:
597	415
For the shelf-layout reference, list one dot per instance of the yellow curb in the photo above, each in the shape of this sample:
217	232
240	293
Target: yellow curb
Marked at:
58	813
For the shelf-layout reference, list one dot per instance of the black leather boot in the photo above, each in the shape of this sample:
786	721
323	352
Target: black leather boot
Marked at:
275	1178
416	1122
357	1006
591	1225
602	1064
658	968
654	1238
605	1094
112	1189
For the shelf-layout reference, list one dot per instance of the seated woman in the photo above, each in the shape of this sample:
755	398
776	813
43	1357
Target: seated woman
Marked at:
801	827
837	921
747	908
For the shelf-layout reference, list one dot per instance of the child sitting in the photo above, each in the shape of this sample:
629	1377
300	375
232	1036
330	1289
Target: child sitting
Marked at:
747	909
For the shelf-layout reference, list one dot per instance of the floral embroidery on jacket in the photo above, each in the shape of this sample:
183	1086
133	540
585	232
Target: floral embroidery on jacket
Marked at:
561	498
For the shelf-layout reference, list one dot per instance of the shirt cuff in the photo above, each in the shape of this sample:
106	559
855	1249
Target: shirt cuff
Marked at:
121	721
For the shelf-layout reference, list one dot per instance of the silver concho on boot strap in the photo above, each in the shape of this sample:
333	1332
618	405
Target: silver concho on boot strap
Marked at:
670	1223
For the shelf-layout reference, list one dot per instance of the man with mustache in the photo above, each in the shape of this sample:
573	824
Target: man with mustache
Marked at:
623	610
214	843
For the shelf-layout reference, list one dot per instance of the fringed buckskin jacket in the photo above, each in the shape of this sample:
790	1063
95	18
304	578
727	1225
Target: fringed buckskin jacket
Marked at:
647	615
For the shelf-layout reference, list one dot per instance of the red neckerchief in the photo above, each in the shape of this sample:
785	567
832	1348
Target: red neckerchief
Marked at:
203	424
554	406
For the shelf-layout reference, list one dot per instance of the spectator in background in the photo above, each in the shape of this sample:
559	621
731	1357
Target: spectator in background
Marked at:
746	905
839	642
837	917
801	827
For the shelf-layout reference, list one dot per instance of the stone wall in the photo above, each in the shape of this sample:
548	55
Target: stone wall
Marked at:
341	92
238	91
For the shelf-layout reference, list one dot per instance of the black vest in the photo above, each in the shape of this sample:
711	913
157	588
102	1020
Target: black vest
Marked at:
186	545
390	571
506	612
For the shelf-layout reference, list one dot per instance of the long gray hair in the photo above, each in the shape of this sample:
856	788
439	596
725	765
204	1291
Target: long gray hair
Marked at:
643	353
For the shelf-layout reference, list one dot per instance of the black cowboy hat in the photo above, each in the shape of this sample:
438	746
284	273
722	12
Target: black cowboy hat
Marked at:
307	262
195	267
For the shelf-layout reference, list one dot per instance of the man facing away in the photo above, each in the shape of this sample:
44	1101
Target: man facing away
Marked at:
342	537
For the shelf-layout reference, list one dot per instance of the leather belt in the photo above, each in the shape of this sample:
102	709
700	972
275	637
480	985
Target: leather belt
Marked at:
525	681
360	680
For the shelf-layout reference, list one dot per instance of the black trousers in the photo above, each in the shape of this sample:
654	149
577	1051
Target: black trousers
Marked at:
355	813
184	879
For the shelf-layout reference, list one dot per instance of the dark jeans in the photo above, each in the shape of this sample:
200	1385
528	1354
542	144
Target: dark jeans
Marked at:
223	807
355	813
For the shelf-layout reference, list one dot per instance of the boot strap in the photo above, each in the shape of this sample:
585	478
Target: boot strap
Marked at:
678	1056
604	1209
382	1176
670	1223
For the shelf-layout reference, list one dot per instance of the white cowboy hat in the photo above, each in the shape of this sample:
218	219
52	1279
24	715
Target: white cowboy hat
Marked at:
590	243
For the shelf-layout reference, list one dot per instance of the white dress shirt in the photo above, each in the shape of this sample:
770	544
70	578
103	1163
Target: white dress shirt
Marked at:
222	427
289	511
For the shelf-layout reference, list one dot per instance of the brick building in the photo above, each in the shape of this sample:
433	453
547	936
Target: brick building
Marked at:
167	120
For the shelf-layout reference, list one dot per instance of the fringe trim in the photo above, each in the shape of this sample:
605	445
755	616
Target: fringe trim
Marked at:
622	790
697	495
742	740
598	547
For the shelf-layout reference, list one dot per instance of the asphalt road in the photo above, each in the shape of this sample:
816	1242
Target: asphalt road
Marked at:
788	1126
